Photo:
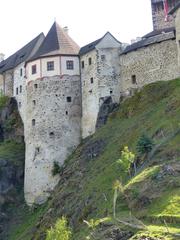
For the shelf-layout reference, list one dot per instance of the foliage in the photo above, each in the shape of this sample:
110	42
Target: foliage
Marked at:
144	144
61	231
56	168
3	101
127	158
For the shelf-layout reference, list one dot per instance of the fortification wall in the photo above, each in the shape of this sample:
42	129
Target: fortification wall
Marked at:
157	62
52	131
159	20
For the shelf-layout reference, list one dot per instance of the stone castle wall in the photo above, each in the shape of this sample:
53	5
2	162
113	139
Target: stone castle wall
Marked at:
52	131
157	62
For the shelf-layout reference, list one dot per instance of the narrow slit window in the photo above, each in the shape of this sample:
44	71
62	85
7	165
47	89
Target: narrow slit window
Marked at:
82	64
133	79
34	102
92	80
33	69
20	89
90	61
21	72
16	91
33	122
35	86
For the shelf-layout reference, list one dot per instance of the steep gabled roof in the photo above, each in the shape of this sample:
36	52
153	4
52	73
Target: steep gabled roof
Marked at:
89	47
20	56
56	42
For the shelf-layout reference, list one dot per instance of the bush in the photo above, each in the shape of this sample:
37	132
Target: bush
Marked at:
56	168
60	232
127	158
144	144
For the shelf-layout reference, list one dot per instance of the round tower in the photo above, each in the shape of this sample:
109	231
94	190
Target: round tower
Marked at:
52	129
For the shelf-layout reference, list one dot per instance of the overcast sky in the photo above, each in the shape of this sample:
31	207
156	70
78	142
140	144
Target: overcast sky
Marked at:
87	20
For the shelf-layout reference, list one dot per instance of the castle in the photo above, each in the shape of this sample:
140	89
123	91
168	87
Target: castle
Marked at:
60	88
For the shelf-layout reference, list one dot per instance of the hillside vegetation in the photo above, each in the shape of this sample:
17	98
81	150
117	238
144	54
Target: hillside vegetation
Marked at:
148	201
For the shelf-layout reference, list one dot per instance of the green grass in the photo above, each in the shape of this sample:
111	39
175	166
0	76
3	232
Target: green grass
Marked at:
87	191
12	151
3	101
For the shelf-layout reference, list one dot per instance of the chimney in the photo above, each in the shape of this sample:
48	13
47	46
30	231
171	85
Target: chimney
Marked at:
66	29
1	57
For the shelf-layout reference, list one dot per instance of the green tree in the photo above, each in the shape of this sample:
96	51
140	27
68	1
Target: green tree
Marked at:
127	158
61	231
144	144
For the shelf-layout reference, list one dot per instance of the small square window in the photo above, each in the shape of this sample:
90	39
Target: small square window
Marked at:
16	91
111	91
133	79
70	65
68	99
50	66
90	61
82	64
21	72
33	69
103	57
92	80
20	89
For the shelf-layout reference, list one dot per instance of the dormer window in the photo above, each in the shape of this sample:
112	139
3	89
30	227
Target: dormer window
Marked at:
33	69
70	65
50	66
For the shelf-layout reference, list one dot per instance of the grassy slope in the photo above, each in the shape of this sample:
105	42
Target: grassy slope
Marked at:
85	189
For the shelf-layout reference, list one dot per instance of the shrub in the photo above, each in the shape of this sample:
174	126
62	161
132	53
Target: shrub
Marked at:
144	144
56	168
61	231
127	158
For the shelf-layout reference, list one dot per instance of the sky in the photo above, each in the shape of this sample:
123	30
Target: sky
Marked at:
87	20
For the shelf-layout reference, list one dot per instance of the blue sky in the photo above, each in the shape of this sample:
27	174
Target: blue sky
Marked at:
22	20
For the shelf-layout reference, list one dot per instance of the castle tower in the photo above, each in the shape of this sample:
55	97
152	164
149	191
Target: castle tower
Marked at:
100	77
158	14
52	129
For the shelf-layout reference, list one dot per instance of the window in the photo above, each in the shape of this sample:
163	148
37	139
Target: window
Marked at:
68	99
33	69
69	65
66	112
50	66
33	122
35	85
133	79
21	72
92	80
20	89
103	57
19	104
111	91
34	102
90	61
16	91
51	134
82	64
